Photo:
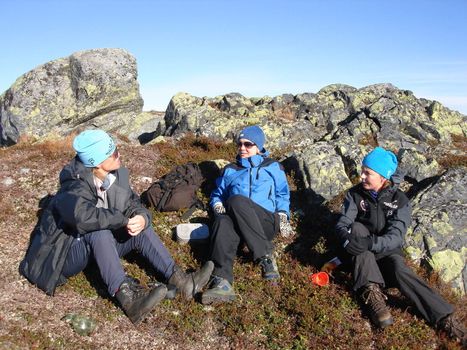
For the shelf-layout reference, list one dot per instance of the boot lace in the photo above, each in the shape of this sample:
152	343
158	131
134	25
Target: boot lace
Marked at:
374	297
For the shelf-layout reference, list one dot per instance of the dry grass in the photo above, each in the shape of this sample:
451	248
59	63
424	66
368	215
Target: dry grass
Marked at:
292	314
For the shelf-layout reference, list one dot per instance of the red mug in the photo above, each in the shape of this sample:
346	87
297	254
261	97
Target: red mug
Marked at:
320	278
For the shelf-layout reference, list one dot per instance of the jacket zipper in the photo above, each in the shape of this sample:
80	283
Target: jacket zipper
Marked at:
251	180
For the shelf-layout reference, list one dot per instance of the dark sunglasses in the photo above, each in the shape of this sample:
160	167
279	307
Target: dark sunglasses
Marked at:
115	154
246	144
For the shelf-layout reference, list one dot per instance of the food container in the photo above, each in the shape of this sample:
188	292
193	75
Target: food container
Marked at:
192	232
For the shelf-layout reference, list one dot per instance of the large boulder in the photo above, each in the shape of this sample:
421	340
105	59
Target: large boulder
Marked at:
438	233
95	88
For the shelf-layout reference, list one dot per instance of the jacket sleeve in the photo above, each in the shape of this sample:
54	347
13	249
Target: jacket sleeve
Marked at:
77	208
395	229
220	193
135	207
347	217
282	195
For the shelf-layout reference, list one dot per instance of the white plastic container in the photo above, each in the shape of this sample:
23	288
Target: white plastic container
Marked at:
192	232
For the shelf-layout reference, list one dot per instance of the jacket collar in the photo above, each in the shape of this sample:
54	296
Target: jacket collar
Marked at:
250	162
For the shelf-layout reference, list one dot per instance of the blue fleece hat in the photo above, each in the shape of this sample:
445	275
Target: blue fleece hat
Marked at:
255	135
93	147
381	161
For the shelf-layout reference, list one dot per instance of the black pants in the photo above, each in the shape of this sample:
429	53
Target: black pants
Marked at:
390	270
244	221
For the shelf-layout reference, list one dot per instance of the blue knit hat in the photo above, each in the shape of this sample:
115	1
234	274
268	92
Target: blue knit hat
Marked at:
255	135
381	161
93	147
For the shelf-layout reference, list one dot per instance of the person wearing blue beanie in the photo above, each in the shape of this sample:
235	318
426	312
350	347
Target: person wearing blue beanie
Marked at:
371	228
250	204
96	216
381	161
93	147
254	134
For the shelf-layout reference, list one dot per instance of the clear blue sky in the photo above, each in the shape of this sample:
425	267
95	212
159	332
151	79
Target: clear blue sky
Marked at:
257	48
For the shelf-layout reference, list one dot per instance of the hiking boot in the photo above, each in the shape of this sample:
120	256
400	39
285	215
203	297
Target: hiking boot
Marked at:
137	301
375	300
269	267
220	291
454	329
190	284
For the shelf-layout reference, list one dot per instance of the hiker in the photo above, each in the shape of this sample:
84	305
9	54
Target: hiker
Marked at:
371	228
96	216
250	203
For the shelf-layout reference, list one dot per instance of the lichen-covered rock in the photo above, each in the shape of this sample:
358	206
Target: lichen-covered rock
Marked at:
439	228
417	166
144	127
95	88
322	171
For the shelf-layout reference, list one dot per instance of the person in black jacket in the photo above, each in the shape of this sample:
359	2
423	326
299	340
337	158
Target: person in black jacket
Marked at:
96	215
371	228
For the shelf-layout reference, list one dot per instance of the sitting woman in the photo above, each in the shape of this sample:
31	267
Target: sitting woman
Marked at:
251	202
372	227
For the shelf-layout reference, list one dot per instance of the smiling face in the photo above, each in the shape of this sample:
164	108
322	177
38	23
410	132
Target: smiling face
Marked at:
371	180
246	148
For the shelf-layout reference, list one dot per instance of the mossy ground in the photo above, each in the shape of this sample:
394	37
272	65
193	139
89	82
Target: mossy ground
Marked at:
289	314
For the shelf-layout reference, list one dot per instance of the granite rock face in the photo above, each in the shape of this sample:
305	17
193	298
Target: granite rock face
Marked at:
94	88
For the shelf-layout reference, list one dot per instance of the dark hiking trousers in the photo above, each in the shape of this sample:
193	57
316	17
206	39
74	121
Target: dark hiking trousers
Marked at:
107	248
390	270
244	221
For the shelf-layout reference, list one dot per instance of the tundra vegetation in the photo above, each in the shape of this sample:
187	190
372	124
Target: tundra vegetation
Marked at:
291	314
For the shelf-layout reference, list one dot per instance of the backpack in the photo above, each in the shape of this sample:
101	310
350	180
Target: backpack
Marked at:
175	190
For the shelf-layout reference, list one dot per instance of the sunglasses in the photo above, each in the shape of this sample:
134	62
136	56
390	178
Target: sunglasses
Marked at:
246	144
115	154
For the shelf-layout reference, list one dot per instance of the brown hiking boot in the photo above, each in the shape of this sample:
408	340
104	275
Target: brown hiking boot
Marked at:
375	300
454	329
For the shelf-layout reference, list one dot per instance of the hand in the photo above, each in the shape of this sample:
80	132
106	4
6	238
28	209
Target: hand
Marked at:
285	228
218	209
135	225
358	245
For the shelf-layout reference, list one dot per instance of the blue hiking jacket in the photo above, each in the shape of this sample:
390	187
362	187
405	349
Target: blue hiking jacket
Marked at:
259	178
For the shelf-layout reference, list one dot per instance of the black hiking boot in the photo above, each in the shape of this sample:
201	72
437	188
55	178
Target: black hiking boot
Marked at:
375	300
190	284
269	267
454	329
137	302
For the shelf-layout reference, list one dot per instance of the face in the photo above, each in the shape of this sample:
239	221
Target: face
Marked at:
246	148
371	180
112	163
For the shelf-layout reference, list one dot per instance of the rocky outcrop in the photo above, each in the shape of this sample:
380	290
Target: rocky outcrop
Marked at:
95	88
324	137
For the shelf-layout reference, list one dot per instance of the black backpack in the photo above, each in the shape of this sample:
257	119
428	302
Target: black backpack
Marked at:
175	190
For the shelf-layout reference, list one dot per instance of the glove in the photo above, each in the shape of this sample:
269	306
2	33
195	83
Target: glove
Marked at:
218	209
285	228
358	245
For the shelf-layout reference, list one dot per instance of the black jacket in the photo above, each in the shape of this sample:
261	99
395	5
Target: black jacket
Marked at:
387	217
73	212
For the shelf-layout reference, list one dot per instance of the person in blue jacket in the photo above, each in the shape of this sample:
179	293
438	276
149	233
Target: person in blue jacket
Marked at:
371	228
251	203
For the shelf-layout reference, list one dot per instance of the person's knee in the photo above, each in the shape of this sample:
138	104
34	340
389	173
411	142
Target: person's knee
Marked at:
360	230
102	236
237	201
